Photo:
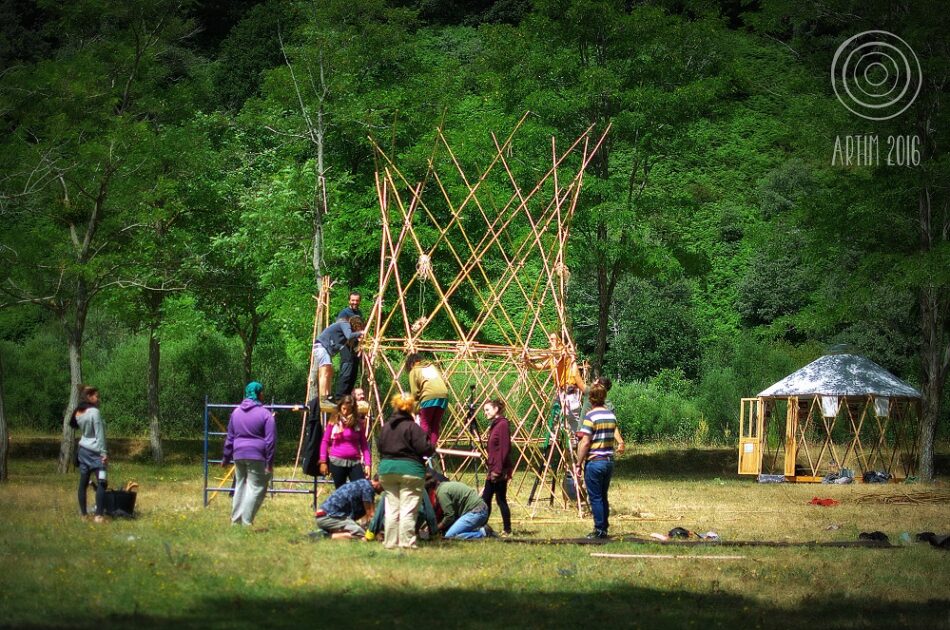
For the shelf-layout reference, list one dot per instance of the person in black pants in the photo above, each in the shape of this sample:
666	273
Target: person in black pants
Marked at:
349	354
344	451
91	455
499	461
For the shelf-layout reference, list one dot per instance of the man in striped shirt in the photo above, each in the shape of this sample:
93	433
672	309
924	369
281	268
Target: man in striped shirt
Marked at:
595	451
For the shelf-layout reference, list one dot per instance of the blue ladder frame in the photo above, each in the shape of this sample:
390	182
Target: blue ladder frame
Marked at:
272	490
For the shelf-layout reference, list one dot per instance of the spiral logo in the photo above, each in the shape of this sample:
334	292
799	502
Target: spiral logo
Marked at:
876	75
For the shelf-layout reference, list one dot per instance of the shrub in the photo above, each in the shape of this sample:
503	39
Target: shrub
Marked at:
742	370
122	376
646	413
36	380
193	365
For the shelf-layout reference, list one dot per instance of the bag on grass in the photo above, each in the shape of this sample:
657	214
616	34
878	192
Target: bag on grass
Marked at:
120	503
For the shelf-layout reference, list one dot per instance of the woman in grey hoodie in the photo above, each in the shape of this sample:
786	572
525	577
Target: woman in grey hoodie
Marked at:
91	455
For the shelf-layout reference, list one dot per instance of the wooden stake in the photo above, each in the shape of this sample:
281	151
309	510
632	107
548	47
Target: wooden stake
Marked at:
660	556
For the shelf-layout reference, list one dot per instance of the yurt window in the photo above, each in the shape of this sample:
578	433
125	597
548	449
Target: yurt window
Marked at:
829	406
882	407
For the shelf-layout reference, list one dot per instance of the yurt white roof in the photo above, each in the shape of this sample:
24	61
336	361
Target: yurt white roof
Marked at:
841	375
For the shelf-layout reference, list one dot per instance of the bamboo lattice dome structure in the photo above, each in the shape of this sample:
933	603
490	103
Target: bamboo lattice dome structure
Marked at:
473	275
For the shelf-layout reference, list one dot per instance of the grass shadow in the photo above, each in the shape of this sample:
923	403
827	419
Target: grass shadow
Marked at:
681	463
624	606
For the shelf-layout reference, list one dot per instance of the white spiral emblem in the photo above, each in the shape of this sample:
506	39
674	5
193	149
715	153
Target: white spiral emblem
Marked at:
876	75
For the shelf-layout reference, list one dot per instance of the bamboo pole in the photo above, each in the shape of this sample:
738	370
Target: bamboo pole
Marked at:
320	315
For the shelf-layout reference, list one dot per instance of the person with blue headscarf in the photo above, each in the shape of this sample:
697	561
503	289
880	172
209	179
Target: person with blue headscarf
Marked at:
250	445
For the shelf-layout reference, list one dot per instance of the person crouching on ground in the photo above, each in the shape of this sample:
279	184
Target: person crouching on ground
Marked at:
464	513
499	461
344	451
403	445
250	444
91	453
595	451
353	502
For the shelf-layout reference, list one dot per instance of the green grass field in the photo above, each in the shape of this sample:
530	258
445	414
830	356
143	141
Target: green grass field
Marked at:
180	564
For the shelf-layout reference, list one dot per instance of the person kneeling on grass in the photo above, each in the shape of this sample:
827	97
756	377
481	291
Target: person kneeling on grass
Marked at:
351	502
464	513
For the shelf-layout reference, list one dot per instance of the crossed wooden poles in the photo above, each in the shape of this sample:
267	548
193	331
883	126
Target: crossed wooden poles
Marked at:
856	437
480	287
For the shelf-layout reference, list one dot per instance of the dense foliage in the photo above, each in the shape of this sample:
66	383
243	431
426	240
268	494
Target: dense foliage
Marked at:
165	165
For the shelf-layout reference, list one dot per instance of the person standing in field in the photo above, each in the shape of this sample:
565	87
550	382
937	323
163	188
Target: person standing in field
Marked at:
344	451
349	353
250	445
619	444
499	461
403	445
429	390
595	452
91	452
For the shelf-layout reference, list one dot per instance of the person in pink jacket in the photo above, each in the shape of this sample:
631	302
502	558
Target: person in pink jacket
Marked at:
344	452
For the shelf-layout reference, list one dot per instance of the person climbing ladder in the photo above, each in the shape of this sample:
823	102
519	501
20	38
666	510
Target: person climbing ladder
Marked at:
328	344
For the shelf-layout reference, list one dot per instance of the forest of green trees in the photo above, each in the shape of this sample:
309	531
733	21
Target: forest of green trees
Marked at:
176	176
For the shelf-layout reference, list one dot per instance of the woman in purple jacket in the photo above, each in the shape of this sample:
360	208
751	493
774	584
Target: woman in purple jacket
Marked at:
344	451
499	461
252	437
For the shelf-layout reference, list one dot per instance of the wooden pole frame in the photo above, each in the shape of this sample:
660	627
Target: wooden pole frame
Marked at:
498	278
855	437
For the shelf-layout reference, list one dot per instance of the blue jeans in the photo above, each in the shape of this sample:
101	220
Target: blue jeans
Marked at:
597	476
468	526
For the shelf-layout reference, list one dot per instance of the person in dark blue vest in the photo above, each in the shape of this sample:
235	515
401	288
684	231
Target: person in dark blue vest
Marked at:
328	344
349	353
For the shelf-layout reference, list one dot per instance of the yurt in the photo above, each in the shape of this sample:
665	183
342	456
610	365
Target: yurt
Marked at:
842	412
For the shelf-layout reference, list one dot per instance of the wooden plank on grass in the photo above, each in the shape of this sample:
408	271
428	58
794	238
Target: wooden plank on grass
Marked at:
660	556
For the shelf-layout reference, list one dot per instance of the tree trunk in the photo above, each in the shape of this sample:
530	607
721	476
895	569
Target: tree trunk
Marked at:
603	320
934	302
319	211
320	203
248	359
154	411
66	446
934	355
4	437
607	276
250	340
